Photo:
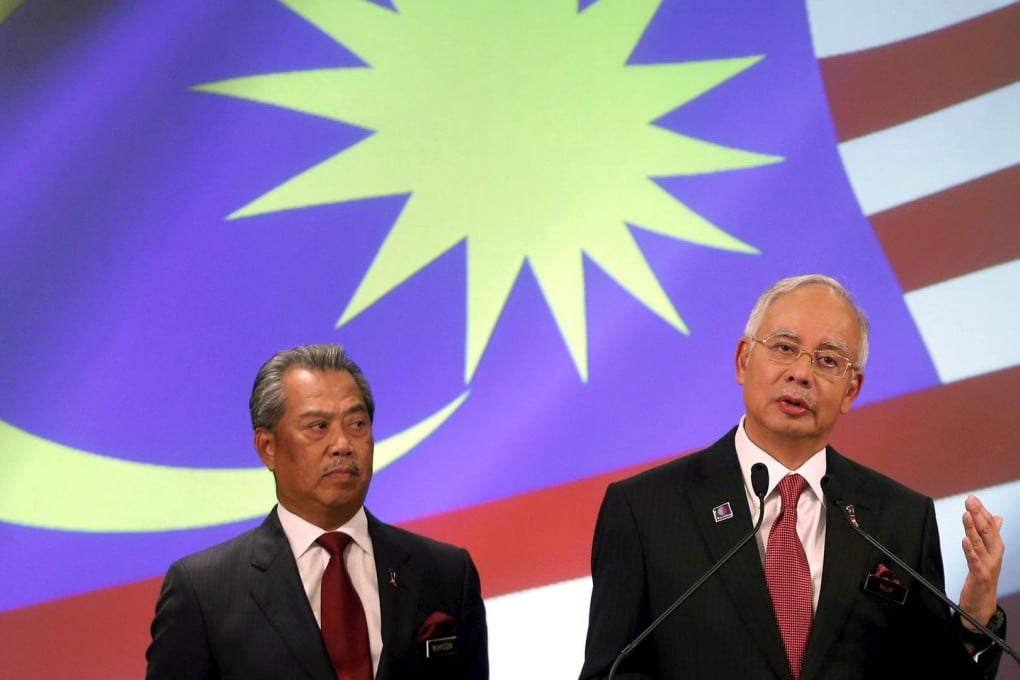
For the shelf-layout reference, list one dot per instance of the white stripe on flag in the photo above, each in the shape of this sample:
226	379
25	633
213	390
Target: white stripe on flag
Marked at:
934	152
971	324
539	633
842	26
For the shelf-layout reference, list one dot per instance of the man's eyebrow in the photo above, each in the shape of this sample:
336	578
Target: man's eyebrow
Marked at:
318	413
827	343
835	344
356	408
308	415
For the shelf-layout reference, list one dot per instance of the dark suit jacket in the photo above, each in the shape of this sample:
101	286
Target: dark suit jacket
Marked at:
238	610
656	534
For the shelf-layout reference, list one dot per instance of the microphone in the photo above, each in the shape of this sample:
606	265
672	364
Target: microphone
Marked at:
833	492
760	485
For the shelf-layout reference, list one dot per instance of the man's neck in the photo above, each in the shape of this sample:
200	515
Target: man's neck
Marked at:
791	453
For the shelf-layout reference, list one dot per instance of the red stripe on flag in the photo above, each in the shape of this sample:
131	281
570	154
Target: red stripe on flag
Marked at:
101	635
874	89
954	232
529	540
942	441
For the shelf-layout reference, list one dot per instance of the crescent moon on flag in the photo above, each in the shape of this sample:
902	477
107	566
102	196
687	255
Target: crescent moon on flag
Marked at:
58	487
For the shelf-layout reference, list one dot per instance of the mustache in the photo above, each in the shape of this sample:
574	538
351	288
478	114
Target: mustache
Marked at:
799	395
343	462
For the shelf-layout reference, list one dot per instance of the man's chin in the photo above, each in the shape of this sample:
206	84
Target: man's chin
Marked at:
345	496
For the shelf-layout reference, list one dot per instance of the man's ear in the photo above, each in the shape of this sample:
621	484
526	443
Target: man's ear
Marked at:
265	446
853	389
742	357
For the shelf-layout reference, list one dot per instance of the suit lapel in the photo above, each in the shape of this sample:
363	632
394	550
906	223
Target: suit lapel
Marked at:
743	576
844	567
277	590
399	592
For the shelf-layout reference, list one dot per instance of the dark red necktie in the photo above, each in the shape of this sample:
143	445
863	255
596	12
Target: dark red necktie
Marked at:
788	575
343	619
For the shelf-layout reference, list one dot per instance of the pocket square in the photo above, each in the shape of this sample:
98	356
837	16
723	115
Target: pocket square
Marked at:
438	624
886	574
884	582
439	635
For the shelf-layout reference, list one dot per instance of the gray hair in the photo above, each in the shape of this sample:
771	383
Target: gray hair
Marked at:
268	400
791	284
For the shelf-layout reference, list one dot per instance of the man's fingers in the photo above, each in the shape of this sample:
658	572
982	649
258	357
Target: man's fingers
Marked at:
981	544
977	509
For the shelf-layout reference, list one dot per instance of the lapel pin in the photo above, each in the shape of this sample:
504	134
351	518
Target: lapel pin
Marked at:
852	515
722	512
393	577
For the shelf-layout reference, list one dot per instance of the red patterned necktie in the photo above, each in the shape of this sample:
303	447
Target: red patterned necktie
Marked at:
343	619
788	575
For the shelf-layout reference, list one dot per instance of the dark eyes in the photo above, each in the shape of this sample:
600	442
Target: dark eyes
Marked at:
356	424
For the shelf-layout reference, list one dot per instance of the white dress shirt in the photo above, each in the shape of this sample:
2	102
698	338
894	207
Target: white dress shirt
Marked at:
810	507
359	560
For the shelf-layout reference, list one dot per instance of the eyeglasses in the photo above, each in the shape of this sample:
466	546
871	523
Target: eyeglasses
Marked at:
825	362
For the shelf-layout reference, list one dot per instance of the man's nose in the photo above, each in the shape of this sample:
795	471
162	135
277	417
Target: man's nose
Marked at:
802	369
340	445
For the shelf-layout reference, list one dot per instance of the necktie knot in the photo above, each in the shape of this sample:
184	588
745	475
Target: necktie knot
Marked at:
334	542
790	489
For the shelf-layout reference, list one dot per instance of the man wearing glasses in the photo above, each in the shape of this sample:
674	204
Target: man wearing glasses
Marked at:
811	599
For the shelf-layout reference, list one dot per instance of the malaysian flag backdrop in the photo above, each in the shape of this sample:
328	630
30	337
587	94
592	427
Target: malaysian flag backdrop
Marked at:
538	226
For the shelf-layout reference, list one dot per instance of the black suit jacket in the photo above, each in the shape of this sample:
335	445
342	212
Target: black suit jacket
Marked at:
656	534
238	610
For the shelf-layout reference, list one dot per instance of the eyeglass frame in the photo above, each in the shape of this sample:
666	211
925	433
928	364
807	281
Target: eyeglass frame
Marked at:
810	354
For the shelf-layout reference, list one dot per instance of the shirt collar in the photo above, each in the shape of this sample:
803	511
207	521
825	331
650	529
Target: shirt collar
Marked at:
301	533
748	454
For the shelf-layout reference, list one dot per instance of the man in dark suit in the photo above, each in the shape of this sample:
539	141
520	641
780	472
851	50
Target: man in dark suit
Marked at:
811	599
265	604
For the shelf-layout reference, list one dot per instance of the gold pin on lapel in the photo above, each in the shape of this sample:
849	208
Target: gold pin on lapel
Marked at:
393	577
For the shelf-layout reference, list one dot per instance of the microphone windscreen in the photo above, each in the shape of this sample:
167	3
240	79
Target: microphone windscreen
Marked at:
759	479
